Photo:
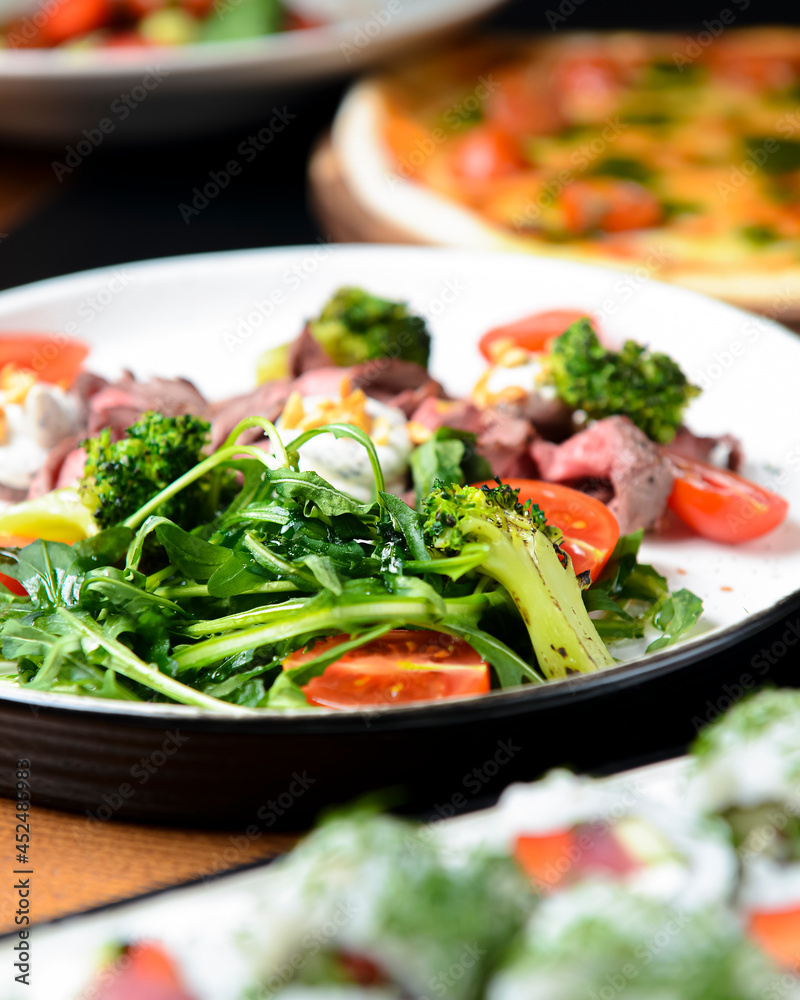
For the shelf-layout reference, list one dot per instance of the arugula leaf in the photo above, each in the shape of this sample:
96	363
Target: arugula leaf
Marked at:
48	571
630	594
676	616
236	577
103	549
408	521
122	592
449	455
313	492
284	693
190	555
324	572
438	458
509	667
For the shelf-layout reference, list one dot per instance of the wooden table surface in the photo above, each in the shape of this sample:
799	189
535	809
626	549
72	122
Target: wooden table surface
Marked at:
78	864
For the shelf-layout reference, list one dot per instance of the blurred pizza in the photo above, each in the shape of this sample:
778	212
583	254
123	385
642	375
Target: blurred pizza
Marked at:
675	157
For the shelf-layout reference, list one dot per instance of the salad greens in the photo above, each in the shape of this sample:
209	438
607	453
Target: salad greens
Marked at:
148	610
632	595
449	455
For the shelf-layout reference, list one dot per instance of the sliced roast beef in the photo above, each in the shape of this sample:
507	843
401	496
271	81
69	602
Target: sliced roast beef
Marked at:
612	454
725	450
306	354
390	380
504	438
87	385
120	404
48	477
410	400
505	442
460	414
321	382
268	400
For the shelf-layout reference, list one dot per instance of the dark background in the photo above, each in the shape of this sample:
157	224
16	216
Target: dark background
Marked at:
121	205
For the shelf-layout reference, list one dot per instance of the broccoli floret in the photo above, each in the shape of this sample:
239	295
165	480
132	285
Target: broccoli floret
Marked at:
355	326
649	388
523	556
121	476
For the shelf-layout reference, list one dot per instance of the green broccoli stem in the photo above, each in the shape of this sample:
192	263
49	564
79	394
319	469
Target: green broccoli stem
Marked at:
200	470
548	598
127	663
345	618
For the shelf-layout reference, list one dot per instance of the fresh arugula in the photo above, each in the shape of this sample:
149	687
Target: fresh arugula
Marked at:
632	595
146	610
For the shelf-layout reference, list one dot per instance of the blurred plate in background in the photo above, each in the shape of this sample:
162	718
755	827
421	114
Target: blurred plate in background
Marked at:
53	95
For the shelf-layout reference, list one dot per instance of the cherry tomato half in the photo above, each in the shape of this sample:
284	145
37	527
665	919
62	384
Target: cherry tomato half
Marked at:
722	506
551	859
145	970
402	666
531	333
590	529
73	18
613	206
486	152
52	358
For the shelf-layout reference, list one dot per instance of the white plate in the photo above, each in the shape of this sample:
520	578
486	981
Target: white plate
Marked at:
208	317
52	95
